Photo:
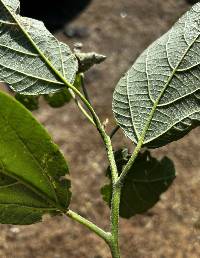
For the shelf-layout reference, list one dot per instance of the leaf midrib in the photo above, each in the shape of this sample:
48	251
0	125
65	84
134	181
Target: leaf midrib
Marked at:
141	140
154	138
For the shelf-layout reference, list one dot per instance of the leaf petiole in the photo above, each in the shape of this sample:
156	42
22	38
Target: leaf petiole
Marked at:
130	163
81	108
85	92
106	236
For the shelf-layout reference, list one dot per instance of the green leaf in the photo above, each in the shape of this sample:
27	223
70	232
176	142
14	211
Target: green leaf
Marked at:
147	179
32	60
30	102
158	99
32	170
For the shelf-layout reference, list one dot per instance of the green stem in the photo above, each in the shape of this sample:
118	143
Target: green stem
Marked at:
85	92
84	112
81	108
110	239
88	224
111	159
130	163
114	246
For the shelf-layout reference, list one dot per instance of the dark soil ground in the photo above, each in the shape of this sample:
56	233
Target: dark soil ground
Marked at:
120	29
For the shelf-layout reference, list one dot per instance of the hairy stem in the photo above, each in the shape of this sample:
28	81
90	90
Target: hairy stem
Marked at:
116	193
110	238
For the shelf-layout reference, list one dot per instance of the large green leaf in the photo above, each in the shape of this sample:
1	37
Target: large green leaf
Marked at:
158	99
32	169
30	56
147	179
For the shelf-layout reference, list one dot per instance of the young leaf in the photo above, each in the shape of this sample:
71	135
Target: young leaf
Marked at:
32	169
31	58
87	60
58	99
158	99
147	180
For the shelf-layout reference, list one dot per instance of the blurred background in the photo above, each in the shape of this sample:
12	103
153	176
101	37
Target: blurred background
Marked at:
121	30
54	15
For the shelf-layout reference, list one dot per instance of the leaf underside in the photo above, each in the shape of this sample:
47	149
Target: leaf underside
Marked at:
32	170
30	54
158	99
147	179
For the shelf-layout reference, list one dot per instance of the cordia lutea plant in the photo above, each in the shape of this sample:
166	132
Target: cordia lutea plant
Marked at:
156	102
